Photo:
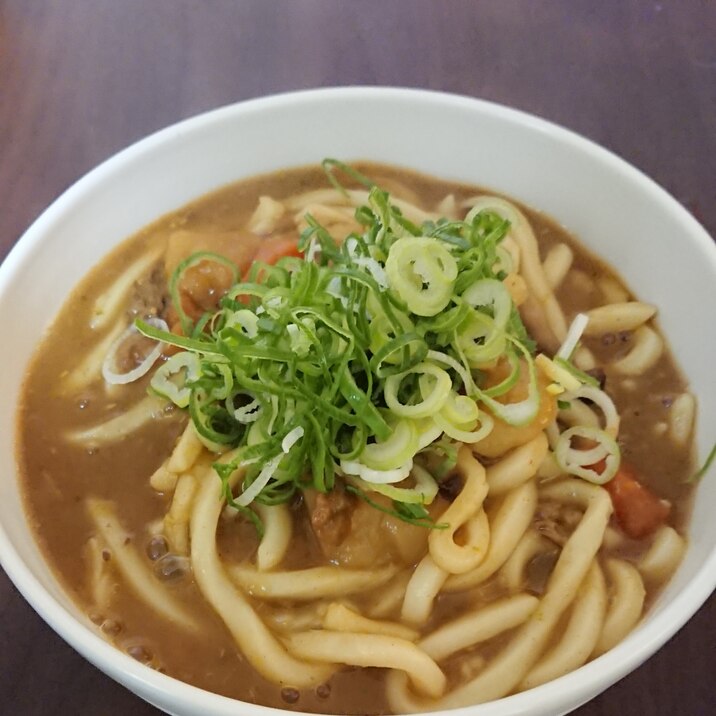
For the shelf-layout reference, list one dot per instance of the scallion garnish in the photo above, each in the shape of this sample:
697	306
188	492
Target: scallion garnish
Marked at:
705	467
368	348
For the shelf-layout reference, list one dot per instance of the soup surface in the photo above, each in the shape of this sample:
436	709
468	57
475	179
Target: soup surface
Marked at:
368	612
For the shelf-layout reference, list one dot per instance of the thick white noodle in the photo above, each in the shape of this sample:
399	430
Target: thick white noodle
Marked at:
266	216
616	317
579	637
626	604
477	626
386	600
136	572
513	572
307	584
556	264
518	466
256	642
373	650
531	263
98	575
176	521
647	348
511	520
509	667
421	590
339	617
115	429
663	556
89	368
278	528
681	418
111	303
465	512
186	451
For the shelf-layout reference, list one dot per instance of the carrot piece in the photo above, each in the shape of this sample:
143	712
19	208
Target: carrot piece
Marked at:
272	249
638	510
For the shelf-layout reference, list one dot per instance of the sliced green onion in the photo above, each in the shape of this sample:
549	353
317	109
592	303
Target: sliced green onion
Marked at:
111	376
379	477
492	294
508	383
422	272
705	467
424	492
576	329
603	401
581	462
481	340
580	375
430	403
394	452
524	411
464	433
353	358
173	379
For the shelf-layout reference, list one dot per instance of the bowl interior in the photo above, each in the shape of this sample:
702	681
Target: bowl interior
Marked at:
661	252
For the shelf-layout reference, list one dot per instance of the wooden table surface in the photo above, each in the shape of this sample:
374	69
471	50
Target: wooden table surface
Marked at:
81	79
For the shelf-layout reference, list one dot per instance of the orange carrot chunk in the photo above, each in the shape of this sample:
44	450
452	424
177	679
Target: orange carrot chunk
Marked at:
638	510
274	248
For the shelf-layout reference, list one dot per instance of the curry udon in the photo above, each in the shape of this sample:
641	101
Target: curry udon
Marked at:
404	446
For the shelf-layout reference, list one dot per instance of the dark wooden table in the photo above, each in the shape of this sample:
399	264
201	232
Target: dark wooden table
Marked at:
80	79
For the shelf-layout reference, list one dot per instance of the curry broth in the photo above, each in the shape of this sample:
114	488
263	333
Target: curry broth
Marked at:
58	475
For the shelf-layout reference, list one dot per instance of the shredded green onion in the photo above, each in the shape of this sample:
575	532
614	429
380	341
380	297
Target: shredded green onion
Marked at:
705	467
370	349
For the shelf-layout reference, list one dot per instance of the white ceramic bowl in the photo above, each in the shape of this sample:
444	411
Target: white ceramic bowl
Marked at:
662	252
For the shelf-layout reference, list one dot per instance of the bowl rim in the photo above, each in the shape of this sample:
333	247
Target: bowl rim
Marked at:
579	685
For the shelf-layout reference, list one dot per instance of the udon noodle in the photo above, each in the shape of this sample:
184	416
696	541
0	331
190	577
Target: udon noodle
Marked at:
538	509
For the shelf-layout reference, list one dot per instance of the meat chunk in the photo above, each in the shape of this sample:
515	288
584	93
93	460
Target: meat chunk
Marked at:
149	296
330	516
557	521
352	533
